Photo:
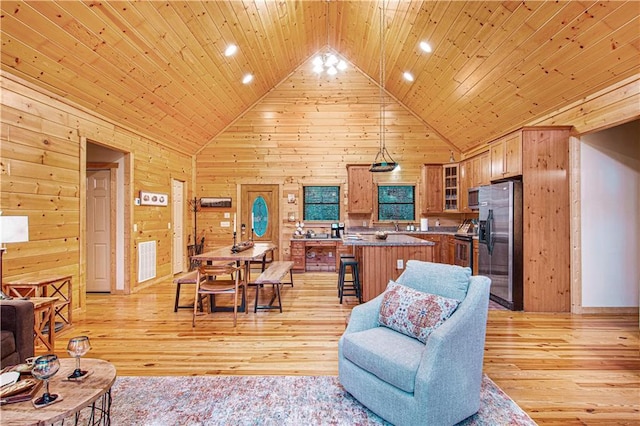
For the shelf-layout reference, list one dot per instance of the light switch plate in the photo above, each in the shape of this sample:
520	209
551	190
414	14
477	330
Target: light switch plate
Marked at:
400	264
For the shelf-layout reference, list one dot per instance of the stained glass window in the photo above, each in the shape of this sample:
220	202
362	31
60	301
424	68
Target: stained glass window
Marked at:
396	202
321	203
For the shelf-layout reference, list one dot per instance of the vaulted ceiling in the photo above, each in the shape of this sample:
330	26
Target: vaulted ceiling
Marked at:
159	67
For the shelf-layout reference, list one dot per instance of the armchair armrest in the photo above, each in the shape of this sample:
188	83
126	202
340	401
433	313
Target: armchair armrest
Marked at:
17	317
364	316
455	351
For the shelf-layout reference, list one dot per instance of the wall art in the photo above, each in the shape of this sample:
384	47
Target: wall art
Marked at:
153	199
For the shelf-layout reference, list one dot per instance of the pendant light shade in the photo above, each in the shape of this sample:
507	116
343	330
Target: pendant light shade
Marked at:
383	161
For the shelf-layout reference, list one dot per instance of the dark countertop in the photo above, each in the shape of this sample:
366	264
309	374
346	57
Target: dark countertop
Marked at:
392	240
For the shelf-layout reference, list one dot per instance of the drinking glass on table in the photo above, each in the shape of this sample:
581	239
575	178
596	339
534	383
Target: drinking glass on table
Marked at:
77	347
44	367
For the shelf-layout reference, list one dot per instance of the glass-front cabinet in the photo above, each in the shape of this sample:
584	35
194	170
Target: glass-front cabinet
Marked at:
450	175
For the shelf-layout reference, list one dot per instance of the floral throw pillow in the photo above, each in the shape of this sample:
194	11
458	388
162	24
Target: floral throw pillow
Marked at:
414	313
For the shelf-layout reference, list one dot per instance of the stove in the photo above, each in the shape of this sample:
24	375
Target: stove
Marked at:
463	250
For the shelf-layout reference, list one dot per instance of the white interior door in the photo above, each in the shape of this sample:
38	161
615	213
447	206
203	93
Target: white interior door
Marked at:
98	231
177	201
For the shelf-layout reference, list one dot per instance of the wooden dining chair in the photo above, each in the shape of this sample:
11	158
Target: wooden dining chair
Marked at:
193	249
209	283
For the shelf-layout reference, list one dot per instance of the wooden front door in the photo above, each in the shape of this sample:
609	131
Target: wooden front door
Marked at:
262	201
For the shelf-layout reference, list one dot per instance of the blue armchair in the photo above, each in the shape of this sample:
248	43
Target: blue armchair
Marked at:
405	381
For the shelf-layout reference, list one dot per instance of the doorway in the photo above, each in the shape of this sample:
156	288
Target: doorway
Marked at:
104	253
99	219
177	203
260	203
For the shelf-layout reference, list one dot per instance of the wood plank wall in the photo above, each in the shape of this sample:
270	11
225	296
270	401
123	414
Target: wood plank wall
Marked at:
43	176
305	132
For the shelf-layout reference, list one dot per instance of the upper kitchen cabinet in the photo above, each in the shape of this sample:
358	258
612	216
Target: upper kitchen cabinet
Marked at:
473	172
506	156
432	181
450	179
464	179
481	169
477	170
360	181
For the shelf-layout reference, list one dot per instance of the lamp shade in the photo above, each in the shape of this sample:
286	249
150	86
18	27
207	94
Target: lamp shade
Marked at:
14	229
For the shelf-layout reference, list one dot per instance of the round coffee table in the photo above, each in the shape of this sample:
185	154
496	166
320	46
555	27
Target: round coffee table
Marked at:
93	393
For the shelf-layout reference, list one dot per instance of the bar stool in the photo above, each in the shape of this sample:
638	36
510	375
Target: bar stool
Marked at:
341	267
355	278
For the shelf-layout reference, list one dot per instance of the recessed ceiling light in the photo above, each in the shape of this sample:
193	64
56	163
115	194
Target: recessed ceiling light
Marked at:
230	50
408	76
247	79
426	47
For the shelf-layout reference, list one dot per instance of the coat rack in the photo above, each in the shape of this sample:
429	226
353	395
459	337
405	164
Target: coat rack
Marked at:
195	207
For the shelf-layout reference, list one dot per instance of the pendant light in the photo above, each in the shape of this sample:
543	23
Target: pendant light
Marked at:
383	161
328	62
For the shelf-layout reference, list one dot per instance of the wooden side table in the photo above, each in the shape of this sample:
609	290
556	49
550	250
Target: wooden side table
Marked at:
41	285
90	398
44	309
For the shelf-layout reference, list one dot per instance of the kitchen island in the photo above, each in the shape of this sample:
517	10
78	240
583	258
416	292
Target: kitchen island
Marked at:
384	260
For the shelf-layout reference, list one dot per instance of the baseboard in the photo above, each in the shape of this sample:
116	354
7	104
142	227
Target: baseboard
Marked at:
623	310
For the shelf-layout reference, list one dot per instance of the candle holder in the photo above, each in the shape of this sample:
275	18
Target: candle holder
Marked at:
234	248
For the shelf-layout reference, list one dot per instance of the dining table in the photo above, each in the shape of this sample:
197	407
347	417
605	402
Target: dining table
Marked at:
257	252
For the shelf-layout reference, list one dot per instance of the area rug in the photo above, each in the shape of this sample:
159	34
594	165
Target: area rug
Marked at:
268	400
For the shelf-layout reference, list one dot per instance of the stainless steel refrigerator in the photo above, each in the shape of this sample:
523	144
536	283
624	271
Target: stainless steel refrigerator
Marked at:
500	238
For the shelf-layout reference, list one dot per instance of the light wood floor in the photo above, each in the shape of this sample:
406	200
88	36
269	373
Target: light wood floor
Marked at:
561	369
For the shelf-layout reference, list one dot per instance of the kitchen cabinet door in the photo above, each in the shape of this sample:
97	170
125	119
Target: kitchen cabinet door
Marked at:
483	176
432	198
447	249
497	160
506	156
450	189
465	183
513	155
360	181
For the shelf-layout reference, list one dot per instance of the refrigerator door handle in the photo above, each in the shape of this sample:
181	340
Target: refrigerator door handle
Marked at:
489	232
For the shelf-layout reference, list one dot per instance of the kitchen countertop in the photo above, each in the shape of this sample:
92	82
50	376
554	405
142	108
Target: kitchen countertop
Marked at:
435	230
316	239
392	240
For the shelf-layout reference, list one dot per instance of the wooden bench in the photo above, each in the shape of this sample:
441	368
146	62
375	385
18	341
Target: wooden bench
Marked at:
189	278
273	275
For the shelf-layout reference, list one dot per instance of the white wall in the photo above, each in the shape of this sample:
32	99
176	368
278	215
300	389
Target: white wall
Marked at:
610	216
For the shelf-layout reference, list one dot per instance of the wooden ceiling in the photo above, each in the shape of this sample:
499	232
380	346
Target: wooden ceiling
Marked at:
159	67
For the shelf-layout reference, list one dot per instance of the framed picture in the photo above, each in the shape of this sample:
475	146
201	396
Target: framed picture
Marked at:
153	199
215	202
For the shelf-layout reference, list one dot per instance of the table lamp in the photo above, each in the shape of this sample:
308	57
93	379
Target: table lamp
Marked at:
13	229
